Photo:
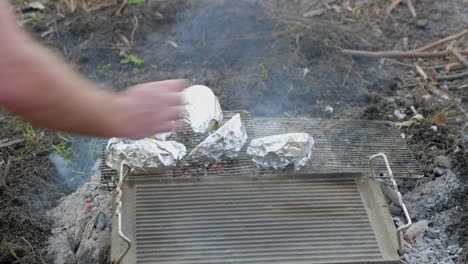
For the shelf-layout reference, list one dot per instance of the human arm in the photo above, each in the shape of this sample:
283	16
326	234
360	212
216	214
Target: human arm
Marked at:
41	88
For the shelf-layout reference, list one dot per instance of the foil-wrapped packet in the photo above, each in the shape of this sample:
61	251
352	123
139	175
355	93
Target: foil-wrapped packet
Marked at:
144	155
202	109
224	144
281	150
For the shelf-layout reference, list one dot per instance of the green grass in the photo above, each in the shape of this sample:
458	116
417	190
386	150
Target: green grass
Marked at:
295	27
136	2
105	70
34	20
18	3
132	59
31	134
64	148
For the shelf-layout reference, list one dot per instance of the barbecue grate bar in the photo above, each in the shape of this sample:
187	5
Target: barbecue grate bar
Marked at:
341	146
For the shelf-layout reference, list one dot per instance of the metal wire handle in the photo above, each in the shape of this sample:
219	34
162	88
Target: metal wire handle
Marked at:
400	199
118	200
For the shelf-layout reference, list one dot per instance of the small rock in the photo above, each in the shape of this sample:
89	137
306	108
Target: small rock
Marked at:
439	171
434	128
399	114
421	23
443	161
329	109
415	229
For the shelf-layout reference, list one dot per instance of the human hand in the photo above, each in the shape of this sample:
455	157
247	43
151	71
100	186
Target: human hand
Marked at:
148	108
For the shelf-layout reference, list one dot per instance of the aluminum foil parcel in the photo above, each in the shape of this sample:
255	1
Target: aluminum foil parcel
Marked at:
144	155
281	150
202	109
224	144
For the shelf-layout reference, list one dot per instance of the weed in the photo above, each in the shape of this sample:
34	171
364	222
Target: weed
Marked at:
132	59
105	70
136	2
263	74
31	135
295	27
13	253
35	19
64	148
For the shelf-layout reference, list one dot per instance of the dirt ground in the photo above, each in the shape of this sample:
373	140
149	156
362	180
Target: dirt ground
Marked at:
272	58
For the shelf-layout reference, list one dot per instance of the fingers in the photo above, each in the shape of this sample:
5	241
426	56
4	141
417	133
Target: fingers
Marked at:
172	113
170	86
164	127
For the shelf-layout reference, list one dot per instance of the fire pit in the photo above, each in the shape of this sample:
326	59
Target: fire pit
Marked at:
329	211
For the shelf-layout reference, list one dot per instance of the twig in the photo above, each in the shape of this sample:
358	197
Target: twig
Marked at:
392	5
411	8
135	26
444	40
459	57
2	179
123	7
421	71
452	77
398	54
4	173
40	255
398	63
12	142
32	249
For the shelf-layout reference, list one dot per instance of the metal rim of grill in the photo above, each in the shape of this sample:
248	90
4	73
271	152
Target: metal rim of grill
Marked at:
315	218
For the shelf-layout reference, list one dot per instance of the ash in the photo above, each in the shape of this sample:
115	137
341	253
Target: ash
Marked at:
429	200
81	232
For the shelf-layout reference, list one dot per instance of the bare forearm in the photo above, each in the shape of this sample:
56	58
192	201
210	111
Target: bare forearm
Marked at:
41	88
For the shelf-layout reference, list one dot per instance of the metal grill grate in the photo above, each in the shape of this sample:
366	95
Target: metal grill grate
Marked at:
341	146
339	218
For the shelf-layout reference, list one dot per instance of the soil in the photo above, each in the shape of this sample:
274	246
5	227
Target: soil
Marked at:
32	186
261	56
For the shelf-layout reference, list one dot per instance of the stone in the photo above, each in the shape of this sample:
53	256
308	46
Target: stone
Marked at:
443	162
421	23
439	171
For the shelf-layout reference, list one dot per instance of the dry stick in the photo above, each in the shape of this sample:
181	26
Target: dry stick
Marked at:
463	61
34	253
392	5
6	171
452	77
2	179
135	27
398	54
411	8
444	40
459	57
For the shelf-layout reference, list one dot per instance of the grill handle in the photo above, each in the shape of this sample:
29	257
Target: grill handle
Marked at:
395	188
122	177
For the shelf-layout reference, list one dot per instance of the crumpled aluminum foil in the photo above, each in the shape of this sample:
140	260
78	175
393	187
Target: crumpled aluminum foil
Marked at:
144	155
224	144
202	109
162	136
281	150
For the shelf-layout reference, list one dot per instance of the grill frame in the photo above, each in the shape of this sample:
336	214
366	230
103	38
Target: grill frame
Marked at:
343	148
367	189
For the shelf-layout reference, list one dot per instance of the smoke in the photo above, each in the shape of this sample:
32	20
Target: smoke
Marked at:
242	52
255	60
80	166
